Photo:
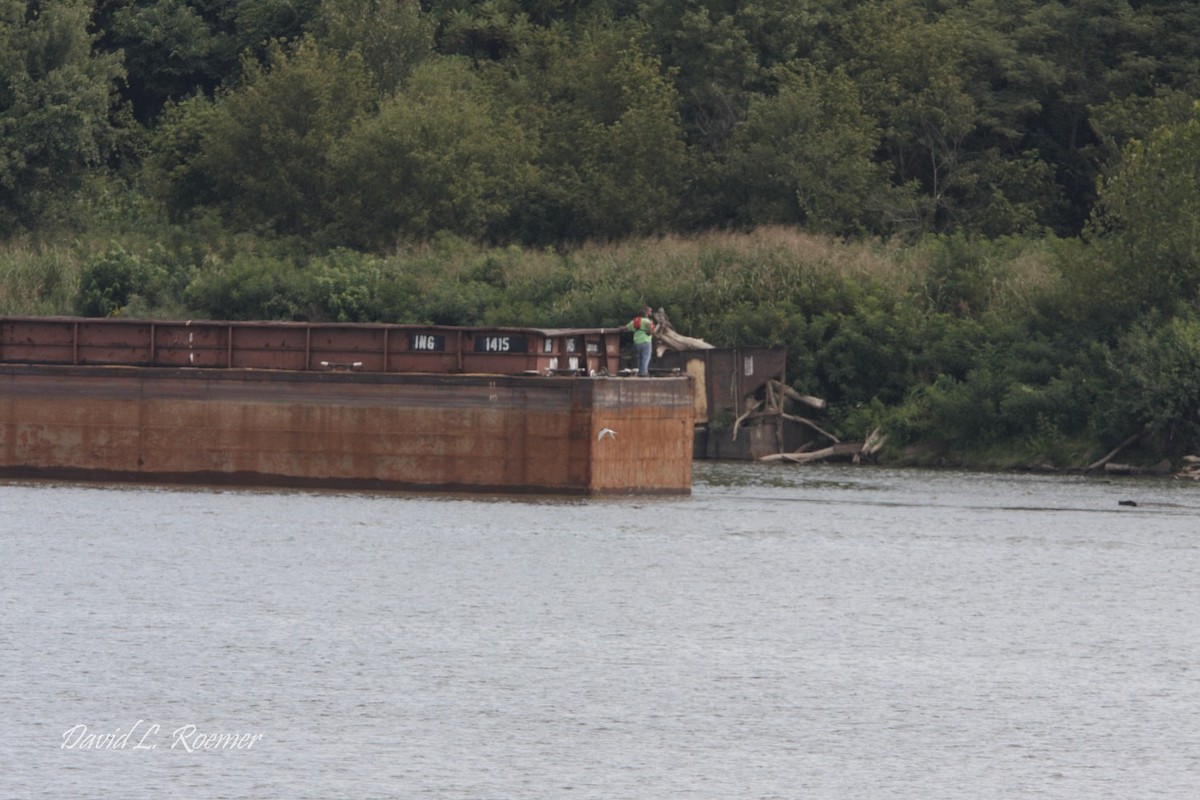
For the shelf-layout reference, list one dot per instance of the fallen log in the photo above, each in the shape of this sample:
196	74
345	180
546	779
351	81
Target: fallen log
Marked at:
1104	461
670	339
1113	468
806	399
737	423
799	458
843	450
812	425
871	446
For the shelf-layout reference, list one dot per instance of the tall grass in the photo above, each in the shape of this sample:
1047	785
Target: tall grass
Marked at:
38	282
598	284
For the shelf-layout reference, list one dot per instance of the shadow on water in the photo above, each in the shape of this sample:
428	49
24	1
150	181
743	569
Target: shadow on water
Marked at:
363	495
764	484
943	489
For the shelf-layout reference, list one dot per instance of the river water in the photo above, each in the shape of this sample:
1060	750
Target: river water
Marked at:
784	632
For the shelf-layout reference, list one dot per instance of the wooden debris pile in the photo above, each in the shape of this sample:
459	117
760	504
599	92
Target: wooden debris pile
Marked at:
1191	468
773	405
755	400
854	452
1106	463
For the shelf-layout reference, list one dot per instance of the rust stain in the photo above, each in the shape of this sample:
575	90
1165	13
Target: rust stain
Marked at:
206	344
501	433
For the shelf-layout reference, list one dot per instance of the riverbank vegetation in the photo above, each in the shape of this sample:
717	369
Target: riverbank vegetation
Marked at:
971	223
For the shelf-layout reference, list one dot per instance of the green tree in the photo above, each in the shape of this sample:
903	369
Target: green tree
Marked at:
260	23
176	48
264	152
722	52
113	281
171	49
483	30
612	159
714	64
909	67
392	36
1154	386
805	156
1171	37
56	107
173	171
441	155
1121	120
1079	54
1146	227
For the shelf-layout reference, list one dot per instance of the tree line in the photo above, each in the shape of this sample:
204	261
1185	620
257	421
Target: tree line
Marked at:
972	222
370	123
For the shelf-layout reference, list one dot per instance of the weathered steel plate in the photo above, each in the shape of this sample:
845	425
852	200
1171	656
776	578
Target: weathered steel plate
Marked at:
346	429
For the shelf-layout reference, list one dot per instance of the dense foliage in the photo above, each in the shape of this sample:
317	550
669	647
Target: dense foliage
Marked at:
971	221
552	122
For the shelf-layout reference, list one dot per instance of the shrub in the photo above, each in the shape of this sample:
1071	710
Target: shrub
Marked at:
110	281
1154	385
248	288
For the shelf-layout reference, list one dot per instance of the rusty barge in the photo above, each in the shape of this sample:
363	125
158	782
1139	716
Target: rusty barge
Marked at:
371	406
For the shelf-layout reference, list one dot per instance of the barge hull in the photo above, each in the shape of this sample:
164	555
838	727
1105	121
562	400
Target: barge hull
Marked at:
488	433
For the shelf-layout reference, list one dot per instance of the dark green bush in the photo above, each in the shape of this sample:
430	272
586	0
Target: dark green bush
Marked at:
110	281
343	286
248	288
1154	386
962	275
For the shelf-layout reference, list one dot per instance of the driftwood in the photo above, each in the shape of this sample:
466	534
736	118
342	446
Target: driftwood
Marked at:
806	399
874	442
1113	468
773	414
1191	468
871	446
1104	461
737	423
855	451
772	405
796	454
799	458
841	450
812	425
670	339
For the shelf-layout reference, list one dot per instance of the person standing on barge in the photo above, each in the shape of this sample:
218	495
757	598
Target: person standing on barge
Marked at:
643	328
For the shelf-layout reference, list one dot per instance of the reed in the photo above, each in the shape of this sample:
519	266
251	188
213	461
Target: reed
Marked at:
35	281
695	275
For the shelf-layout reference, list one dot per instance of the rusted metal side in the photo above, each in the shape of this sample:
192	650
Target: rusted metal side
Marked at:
729	374
725	378
308	346
474	433
641	433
